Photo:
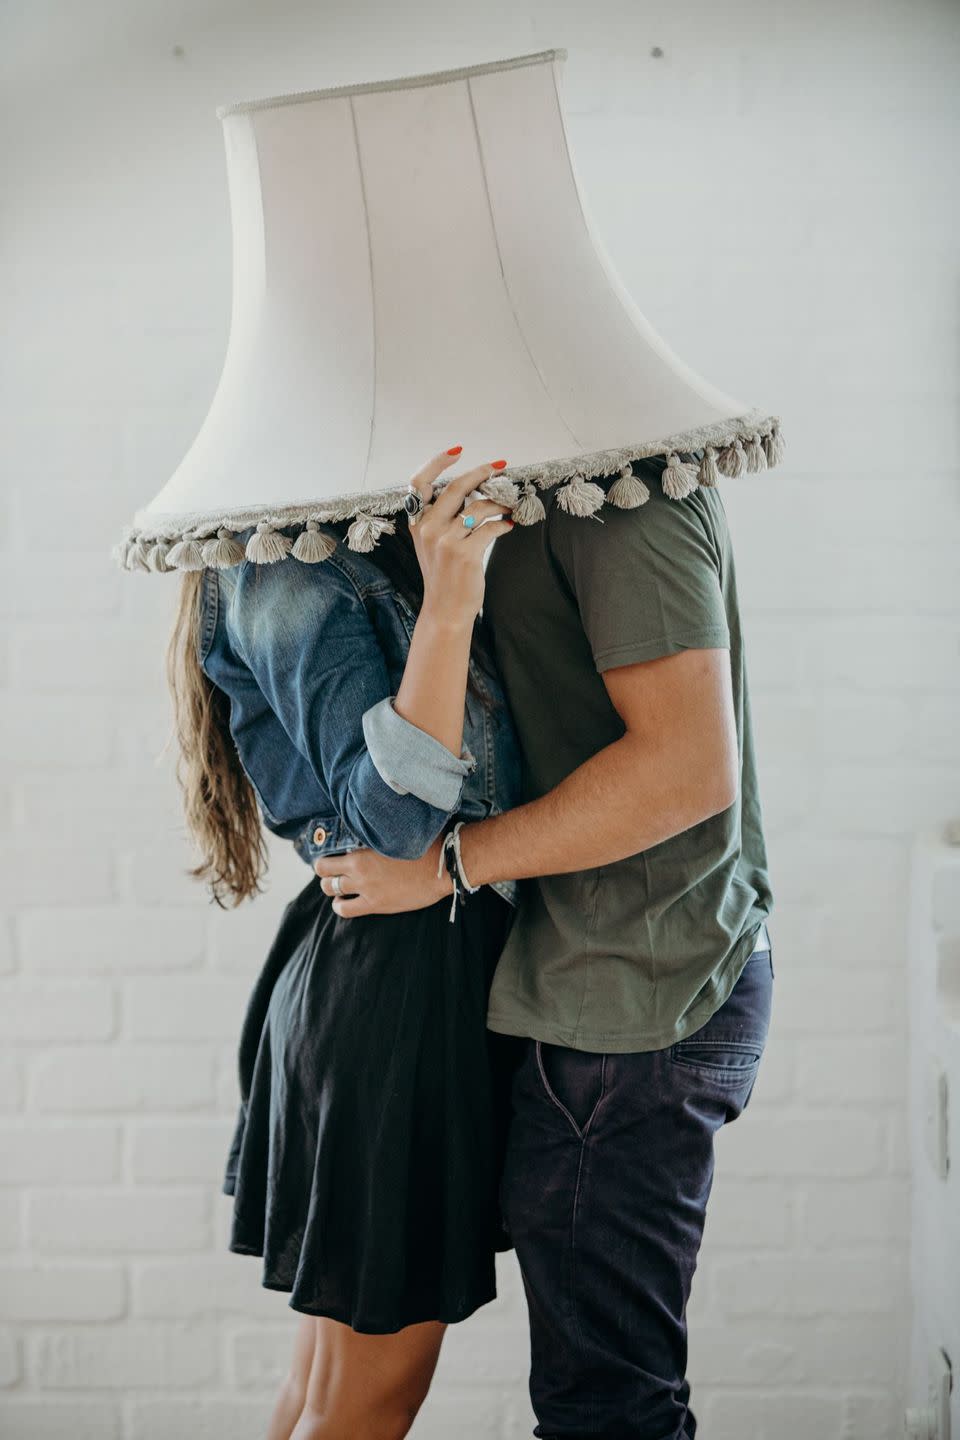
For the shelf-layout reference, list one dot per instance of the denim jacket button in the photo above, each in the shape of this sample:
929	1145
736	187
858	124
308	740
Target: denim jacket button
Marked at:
319	835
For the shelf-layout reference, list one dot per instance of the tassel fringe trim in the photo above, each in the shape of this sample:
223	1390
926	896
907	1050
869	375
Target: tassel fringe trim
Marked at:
191	542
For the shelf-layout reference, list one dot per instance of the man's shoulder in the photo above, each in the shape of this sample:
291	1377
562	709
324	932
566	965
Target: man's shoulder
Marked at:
693	527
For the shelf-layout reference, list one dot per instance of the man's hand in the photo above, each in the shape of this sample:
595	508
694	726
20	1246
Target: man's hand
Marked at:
373	885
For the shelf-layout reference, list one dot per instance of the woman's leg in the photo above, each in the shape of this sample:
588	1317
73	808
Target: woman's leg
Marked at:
367	1387
293	1389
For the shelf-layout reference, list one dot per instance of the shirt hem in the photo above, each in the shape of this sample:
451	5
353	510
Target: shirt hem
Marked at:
621	1043
663	645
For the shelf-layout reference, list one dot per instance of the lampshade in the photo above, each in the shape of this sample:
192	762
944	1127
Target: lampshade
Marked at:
414	266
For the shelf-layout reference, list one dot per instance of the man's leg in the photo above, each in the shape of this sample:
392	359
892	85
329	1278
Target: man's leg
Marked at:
609	1166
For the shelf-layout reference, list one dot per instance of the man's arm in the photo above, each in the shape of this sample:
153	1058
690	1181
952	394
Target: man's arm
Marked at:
675	765
647	586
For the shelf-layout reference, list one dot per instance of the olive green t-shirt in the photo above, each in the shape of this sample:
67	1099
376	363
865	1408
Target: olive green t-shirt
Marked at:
637	954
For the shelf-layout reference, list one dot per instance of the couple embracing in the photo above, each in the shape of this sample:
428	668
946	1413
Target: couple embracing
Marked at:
529	978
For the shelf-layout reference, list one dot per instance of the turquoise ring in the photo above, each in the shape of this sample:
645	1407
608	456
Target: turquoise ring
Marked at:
469	521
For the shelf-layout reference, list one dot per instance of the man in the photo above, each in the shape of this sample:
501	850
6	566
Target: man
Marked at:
638	970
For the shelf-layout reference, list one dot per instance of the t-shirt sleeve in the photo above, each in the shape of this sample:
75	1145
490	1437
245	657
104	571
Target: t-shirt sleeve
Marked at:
647	582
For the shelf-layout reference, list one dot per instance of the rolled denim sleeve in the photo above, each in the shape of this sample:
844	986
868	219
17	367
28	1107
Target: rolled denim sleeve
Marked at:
413	762
304	632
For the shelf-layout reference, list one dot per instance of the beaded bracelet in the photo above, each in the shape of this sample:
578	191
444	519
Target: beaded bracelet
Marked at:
451	860
448	862
471	889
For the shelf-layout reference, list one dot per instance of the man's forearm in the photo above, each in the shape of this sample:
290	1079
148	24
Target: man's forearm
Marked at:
622	800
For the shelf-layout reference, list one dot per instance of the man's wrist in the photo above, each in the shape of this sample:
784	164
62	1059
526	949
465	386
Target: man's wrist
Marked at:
470	856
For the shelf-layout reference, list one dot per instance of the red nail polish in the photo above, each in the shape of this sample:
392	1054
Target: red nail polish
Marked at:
456	450
498	464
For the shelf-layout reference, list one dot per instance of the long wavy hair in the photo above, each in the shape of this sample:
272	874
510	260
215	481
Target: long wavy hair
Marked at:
219	803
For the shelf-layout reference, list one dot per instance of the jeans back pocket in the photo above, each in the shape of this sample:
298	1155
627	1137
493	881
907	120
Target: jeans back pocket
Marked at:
728	1048
724	1061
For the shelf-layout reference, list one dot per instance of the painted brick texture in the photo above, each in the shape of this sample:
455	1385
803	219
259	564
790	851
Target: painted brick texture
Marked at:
774	192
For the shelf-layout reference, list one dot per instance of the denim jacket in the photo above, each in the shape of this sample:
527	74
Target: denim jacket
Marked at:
311	658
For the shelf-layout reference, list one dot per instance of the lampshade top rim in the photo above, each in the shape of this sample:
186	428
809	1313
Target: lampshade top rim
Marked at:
403	82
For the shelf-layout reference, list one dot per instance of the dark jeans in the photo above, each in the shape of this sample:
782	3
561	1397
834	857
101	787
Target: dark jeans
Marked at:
609	1164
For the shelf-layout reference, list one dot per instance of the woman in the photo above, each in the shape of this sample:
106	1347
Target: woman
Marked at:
353	704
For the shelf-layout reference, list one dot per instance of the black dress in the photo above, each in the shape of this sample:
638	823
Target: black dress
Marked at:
367	1154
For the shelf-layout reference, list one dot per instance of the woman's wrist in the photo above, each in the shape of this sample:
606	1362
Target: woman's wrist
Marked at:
438	618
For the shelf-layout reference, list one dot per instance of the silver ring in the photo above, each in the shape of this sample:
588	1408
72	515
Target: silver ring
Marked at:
337	882
413	502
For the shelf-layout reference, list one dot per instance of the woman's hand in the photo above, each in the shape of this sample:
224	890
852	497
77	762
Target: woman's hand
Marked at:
451	553
370	884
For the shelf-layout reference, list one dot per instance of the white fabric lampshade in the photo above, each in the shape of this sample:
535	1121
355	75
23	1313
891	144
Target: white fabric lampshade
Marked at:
414	266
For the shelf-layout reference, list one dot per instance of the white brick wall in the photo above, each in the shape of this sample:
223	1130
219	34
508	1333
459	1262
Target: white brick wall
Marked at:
777	192
934	1023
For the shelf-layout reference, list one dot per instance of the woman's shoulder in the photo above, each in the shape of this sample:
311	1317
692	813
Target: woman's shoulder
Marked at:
341	572
261	602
